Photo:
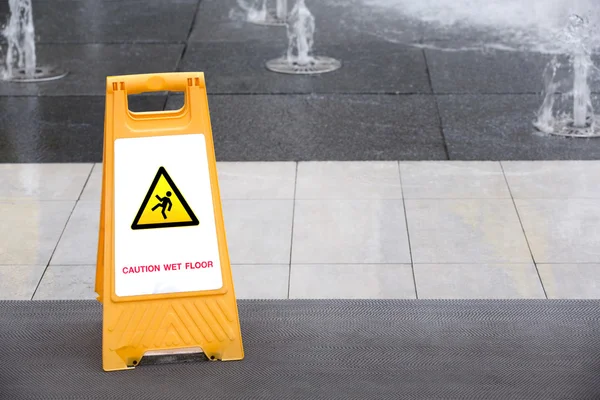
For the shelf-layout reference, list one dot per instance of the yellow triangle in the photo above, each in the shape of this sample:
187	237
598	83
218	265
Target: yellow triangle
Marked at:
164	206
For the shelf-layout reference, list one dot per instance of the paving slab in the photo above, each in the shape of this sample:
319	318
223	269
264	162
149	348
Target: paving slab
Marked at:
494	71
571	281
453	180
93	21
364	281
43	181
561	230
478	281
90	64
238	68
67	282
261	281
30	230
350	232
49	129
499	127
465	231
324	127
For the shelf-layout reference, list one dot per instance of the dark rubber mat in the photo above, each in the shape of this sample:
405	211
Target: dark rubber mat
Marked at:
326	349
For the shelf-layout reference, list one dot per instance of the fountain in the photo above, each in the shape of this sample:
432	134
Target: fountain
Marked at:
574	117
300	33
20	63
263	15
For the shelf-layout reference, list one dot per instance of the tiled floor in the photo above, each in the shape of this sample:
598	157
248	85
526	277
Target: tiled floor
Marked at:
373	229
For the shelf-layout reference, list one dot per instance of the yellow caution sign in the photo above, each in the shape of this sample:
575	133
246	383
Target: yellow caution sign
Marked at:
163	271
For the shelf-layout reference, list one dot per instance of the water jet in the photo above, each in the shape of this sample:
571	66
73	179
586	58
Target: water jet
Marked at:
300	33
20	62
574	115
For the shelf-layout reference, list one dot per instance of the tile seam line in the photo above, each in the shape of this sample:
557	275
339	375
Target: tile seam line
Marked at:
412	261
86	182
437	107
54	250
537	270
185	47
289	288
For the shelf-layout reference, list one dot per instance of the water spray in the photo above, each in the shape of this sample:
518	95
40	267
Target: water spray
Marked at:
20	62
300	33
578	120
263	15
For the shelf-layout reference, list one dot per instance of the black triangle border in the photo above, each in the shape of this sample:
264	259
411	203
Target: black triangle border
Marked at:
162	171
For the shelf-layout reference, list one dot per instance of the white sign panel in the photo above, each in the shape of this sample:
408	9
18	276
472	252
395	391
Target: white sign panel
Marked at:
165	231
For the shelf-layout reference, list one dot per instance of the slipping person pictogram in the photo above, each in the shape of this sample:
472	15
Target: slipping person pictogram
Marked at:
163	195
164	203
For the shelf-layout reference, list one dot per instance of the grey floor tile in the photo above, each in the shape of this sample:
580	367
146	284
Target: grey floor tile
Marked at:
258	231
562	230
324	128
79	242
31	229
261	281
67	282
257	180
571	281
237	68
478	281
18	282
553	179
486	72
465	231
453	180
348	180
350	231
43	181
381	281
52	130
93	21
499	127
90	64
352	22
93	187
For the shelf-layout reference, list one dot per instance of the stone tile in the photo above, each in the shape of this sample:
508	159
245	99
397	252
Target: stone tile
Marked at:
381	281
562	230
93	21
90	64
350	232
93	188
351	22
324	128
348	180
79	242
553	179
257	180
453	180
261	281
52	129
499	127
258	231
493	71
43	181
31	229
67	282
466	231
571	281
478	281
18	282
236	68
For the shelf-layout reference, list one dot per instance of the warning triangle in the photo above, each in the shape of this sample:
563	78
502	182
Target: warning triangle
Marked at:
164	206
